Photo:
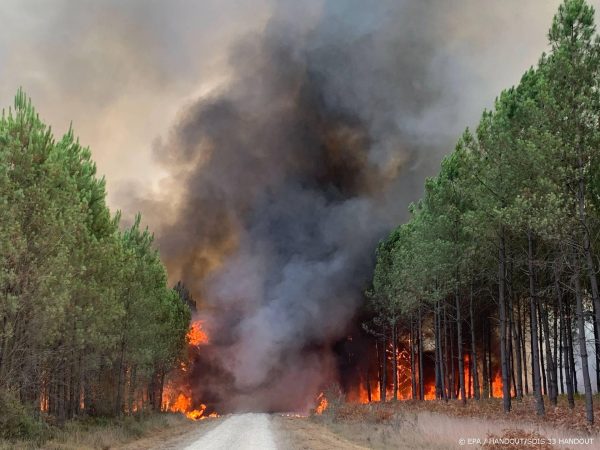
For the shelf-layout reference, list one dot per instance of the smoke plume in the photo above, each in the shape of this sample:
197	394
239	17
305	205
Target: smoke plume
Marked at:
291	172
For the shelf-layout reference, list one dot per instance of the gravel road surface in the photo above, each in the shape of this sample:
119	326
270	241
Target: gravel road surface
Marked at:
239	432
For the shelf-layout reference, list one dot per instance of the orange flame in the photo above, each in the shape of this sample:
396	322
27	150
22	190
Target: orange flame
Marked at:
360	395
182	403
196	335
497	386
322	405
430	392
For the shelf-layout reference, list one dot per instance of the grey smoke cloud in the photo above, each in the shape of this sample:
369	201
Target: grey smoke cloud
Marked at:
270	144
294	170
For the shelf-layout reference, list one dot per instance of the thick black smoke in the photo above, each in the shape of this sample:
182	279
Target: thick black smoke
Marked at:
290	175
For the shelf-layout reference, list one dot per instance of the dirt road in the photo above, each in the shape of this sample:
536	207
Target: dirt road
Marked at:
248	432
240	432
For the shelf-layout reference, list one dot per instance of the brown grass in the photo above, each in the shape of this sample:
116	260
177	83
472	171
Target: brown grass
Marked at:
102	434
440	424
560	416
525	440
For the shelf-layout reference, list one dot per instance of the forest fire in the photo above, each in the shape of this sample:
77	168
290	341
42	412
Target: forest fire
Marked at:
191	390
367	387
197	335
361	395
177	395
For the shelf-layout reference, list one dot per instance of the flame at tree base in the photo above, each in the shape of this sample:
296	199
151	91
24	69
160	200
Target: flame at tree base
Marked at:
362	394
176	396
183	405
322	404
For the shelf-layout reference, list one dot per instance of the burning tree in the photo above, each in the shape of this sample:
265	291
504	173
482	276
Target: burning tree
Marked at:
179	393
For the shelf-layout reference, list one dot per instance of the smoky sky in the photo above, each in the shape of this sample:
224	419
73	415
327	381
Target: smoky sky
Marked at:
270	145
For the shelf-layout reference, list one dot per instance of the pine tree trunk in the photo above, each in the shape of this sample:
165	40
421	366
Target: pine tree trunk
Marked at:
473	348
461	368
120	375
368	381
383	393
550	364
564	341
561	333
537	384
524	349
379	373
421	378
395	361
451	359
596	349
502	306
509	343
570	347
446	377
517	345
589	406
485	363
555	350
440	384
413	368
541	341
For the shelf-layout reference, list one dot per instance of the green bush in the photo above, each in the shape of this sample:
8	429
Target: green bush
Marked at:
18	422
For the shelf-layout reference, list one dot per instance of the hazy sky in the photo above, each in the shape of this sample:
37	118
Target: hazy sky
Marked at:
121	70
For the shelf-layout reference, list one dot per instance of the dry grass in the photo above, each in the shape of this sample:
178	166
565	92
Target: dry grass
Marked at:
439	424
560	416
101	434
526	440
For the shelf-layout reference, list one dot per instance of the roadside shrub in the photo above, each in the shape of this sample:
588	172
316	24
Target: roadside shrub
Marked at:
18	422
